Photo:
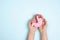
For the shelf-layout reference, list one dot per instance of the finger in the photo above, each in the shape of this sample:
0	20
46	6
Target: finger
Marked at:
33	20
44	23
30	22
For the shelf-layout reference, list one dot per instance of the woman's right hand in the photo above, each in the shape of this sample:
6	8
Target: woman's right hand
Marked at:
32	28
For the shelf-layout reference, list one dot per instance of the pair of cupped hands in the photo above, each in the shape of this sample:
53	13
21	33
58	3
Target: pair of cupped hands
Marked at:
38	22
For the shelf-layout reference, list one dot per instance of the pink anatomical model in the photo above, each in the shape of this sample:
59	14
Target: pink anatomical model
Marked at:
39	21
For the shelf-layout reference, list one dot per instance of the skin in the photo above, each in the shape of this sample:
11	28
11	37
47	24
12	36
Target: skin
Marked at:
32	30
42	30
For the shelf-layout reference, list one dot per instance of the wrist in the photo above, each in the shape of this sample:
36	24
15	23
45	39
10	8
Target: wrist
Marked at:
42	31
31	31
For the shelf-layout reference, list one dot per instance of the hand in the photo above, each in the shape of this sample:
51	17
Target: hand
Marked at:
32	28
43	30
44	26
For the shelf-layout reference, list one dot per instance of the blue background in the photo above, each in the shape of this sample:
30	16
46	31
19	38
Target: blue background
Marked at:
14	16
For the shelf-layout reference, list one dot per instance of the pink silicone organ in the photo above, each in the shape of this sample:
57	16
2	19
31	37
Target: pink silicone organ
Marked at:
39	23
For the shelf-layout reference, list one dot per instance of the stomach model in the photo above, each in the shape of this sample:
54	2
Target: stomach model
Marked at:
39	22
